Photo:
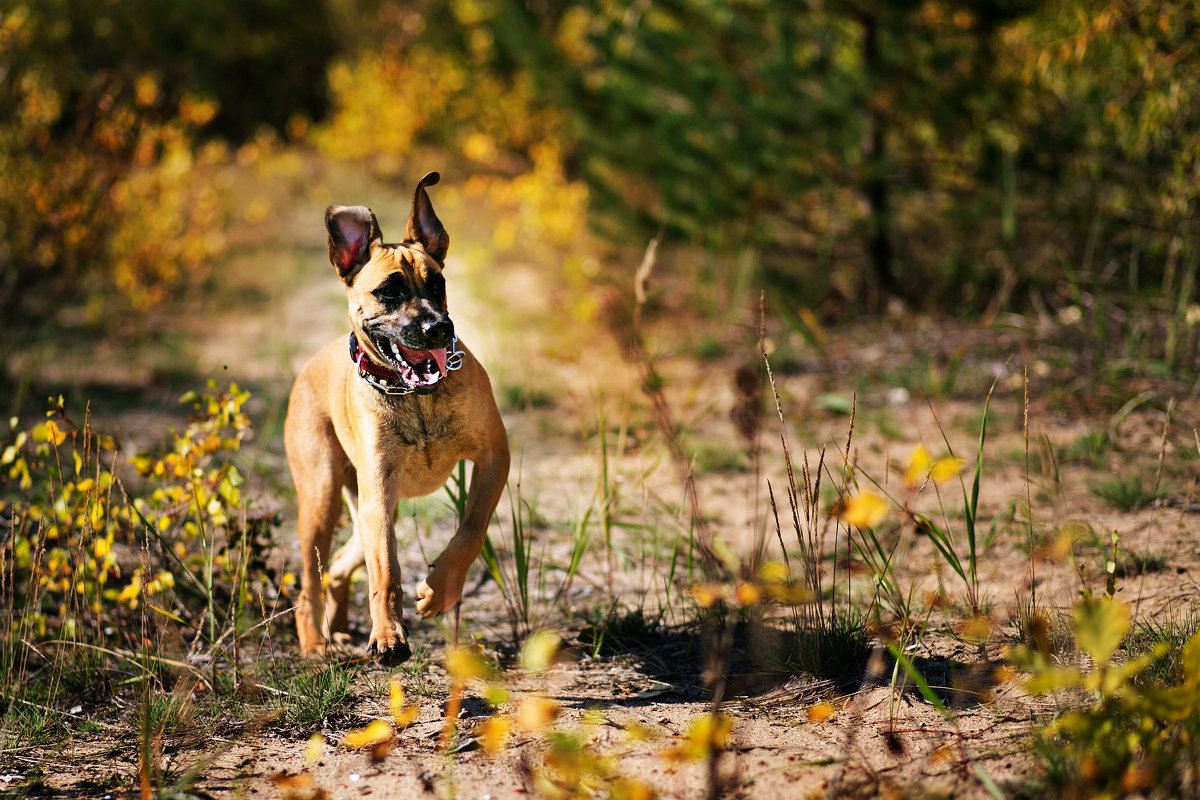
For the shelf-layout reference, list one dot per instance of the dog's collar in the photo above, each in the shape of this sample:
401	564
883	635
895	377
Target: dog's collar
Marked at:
387	380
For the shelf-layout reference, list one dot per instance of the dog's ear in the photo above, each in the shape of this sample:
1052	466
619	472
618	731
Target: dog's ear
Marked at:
424	227
352	231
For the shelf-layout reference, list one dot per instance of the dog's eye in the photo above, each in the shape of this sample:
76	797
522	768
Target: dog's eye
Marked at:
437	285
392	290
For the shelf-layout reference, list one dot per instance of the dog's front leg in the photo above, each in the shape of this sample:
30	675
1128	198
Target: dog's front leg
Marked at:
443	587
389	639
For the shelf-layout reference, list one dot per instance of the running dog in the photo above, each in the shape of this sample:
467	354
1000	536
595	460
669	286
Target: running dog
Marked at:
386	417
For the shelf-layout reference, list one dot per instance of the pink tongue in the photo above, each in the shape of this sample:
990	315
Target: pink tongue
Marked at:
415	357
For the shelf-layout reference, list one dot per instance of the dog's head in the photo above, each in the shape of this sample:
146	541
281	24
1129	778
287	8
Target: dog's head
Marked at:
396	291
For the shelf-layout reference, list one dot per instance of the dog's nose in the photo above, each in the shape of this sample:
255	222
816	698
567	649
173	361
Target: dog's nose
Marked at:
439	331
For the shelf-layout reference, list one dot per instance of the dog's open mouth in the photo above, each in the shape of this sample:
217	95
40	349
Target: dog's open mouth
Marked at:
420	369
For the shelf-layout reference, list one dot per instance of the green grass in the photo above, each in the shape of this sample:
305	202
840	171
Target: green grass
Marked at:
1131	563
709	348
1174	632
314	695
522	397
415	675
1090	448
1128	493
837	650
711	457
614	630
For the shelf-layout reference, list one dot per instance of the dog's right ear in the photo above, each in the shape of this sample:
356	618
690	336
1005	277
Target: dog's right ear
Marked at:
352	231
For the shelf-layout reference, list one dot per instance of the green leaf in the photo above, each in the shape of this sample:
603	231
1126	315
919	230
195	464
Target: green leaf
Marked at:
835	402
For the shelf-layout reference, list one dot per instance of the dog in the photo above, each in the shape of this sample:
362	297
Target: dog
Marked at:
386	418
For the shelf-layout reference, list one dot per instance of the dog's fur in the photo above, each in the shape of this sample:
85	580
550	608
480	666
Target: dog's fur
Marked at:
343	434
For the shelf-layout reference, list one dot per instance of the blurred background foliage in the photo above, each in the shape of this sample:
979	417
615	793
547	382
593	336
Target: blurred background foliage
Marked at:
966	157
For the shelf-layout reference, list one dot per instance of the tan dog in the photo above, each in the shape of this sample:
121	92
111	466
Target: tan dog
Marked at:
390	418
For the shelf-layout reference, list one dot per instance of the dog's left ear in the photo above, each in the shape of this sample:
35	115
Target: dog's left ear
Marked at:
424	227
352	231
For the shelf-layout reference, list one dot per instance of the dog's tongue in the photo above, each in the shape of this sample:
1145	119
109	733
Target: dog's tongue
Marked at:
417	357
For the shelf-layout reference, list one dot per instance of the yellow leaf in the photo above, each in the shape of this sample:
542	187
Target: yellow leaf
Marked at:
864	510
1100	625
820	712
707	593
790	594
709	732
810	321
377	732
535	713
130	592
465	663
918	467
773	572
395	697
540	651
979	626
166	613
495	695
945	469
292	782
55	434
747	594
314	748
48	431
495	733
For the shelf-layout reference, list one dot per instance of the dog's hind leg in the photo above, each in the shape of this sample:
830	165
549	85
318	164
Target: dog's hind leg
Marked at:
317	462
348	558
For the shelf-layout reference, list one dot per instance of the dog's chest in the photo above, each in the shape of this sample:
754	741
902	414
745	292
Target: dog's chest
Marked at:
419	430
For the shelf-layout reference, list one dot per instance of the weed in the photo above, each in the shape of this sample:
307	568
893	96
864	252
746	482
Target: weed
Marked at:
1166	638
1127	493
709	457
1041	629
313	695
1089	448
522	575
616	630
106	578
1131	735
522	397
709	347
1140	563
837	650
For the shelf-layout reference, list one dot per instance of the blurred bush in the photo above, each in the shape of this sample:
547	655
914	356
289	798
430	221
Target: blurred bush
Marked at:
107	191
958	154
420	88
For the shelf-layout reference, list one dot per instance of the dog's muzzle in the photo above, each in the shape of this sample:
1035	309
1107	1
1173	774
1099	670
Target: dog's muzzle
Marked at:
408	370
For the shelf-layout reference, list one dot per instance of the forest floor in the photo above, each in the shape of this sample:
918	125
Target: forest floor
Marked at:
1072	450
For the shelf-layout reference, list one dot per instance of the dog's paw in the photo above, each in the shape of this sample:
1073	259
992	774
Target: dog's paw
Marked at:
440	590
312	645
390	650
